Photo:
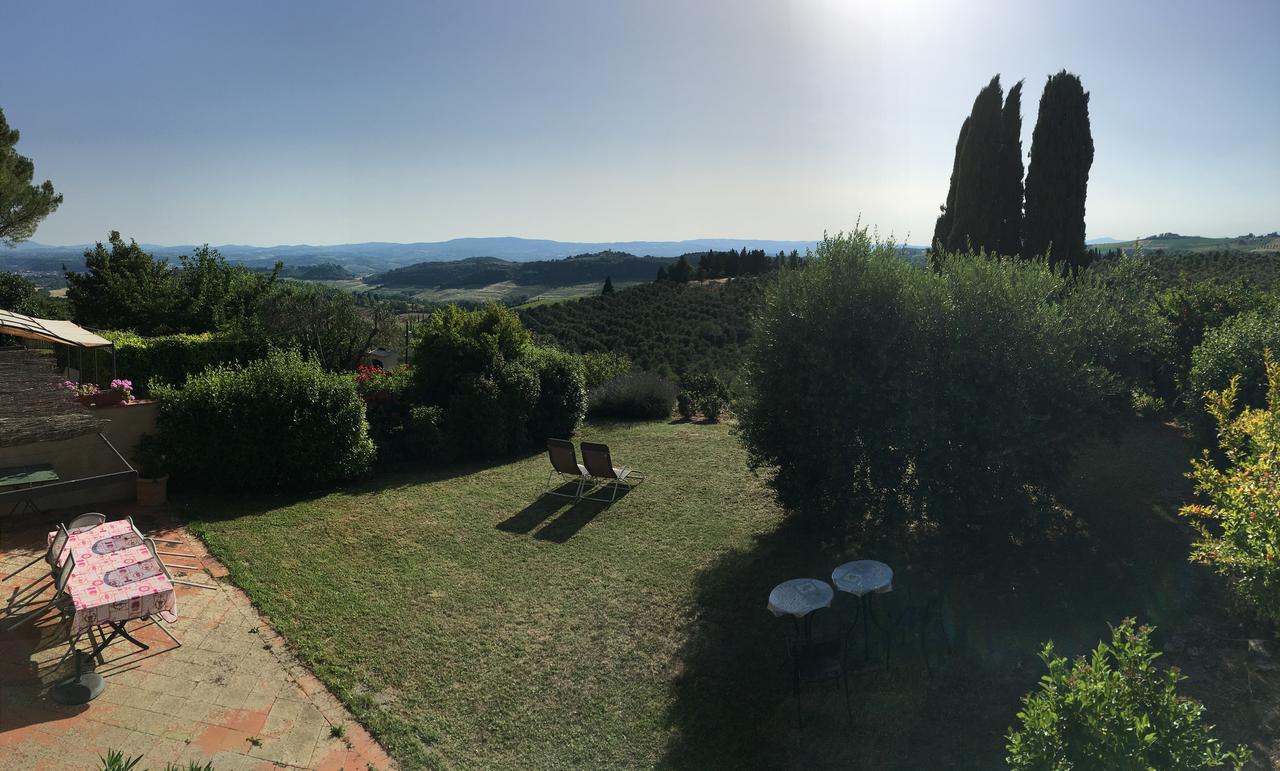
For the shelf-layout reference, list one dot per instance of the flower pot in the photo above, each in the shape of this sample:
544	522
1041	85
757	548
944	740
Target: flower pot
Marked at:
152	492
108	399
86	399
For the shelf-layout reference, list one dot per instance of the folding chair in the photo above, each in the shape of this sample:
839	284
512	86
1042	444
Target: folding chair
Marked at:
600	466
54	552
564	463
59	598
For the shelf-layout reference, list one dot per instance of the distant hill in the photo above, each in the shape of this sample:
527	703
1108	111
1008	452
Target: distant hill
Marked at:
327	271
483	271
379	256
1173	242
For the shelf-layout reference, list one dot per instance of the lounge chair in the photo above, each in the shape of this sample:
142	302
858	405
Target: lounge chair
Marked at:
600	466
564	463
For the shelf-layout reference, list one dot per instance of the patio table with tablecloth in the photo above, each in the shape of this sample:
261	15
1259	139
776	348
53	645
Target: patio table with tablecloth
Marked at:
116	579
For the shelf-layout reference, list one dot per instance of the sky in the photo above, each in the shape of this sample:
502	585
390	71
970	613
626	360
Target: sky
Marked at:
592	120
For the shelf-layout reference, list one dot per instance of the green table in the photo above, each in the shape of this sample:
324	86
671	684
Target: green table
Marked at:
19	477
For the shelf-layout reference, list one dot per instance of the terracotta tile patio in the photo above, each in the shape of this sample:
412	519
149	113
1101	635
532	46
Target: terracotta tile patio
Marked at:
232	694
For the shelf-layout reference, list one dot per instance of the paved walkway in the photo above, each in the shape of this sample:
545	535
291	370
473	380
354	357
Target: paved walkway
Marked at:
231	694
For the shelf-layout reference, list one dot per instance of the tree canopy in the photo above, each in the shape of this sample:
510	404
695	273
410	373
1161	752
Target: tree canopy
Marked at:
22	205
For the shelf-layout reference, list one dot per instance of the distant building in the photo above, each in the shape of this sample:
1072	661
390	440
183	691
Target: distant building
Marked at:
382	358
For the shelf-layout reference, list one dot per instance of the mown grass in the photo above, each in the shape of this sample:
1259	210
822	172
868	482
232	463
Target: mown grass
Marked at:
470	623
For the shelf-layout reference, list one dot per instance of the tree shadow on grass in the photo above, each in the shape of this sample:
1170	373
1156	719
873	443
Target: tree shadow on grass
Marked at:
1125	555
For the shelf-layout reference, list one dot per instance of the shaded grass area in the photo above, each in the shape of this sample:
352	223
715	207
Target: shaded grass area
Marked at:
470	622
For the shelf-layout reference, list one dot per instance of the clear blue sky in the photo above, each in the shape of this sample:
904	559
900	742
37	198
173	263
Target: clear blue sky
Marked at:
319	122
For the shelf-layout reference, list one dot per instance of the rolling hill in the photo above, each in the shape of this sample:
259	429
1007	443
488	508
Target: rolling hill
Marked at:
379	256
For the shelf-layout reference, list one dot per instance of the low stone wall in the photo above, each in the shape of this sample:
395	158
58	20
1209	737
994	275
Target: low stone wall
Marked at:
88	456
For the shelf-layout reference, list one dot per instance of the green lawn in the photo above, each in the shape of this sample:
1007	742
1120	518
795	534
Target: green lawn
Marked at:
469	623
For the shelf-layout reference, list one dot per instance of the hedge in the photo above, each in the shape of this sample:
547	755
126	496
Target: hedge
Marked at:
172	358
277	422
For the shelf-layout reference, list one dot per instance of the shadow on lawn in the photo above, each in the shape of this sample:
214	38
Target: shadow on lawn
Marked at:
577	514
1126	556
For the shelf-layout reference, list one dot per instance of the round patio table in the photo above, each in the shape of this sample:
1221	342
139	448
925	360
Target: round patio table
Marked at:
862	579
799	598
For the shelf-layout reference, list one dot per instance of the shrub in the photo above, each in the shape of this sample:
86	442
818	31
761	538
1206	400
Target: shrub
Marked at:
600	367
1243	500
385	394
424	433
1116	710
706	394
281	421
870	378
498	391
1192	308
640	396
685	405
172	358
562	394
488	414
454	342
1234	348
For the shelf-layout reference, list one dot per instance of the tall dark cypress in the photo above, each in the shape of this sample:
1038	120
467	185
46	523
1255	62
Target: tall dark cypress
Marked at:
975	221
1010	186
942	228
1058	175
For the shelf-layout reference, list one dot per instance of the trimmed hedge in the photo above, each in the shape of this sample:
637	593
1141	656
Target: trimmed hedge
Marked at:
172	358
278	422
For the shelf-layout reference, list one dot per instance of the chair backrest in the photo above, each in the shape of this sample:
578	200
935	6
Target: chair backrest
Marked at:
56	546
595	457
563	457
92	519
68	567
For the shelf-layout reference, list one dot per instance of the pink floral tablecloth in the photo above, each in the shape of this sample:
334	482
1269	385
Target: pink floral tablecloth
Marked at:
115	581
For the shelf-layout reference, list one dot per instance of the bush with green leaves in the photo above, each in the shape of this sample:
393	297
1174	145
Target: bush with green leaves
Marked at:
171	358
562	394
1232	349
874	384
1115	710
599	367
1239	521
637	396
454	342
499	393
1193	308
704	393
278	422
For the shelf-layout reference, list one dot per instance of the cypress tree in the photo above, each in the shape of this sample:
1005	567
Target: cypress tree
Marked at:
1010	183
942	228
1058	175
975	220
608	285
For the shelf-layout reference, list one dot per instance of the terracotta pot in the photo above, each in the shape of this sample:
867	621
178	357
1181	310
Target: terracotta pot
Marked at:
152	492
85	399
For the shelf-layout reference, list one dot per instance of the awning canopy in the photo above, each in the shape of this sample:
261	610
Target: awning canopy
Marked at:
50	331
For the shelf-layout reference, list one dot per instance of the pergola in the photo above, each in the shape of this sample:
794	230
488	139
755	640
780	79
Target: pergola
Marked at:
58	332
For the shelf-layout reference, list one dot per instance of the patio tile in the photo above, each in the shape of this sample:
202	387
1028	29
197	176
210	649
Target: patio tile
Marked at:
202	701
